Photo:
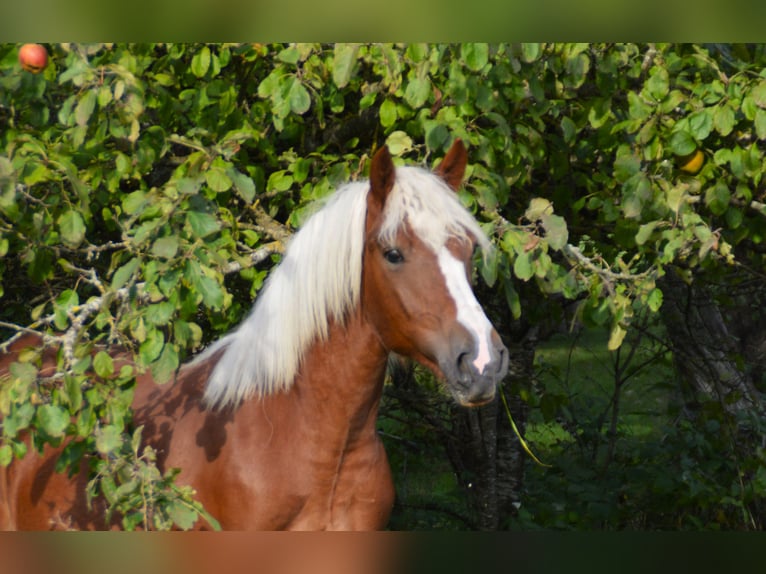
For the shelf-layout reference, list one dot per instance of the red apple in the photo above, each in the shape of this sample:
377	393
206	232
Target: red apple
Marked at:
33	58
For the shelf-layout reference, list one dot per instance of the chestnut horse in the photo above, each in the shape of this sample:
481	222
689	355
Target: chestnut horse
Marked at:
274	424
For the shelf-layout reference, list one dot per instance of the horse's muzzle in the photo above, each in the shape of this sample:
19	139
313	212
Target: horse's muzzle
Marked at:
469	386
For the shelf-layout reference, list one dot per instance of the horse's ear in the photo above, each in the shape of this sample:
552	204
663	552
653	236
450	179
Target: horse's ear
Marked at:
452	167
382	175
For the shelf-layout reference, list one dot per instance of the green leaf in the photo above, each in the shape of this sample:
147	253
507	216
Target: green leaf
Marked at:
513	240
626	167
398	143
645	232
700	124
417	92
122	163
243	184
134	201
387	113
577	68
168	282
530	52
25	373
64	303
212	294
159	313
189	185
759	94
165	366
512	299
280	180
556	232
568	128
344	59
201	62
523	268
675	99
300	100
164	79
103	364
73	392
682	143
638	109
599	113
538	206
19	419
182	515
202	224
85	107
632	206
165	247
717	198
734	218
474	55
135	440
6	455
290	55
151	348
616	337
654	300
748	107
658	83
124	273
72	228
53	420
723	120
489	267
217	180
436	136
760	124
108	439
300	169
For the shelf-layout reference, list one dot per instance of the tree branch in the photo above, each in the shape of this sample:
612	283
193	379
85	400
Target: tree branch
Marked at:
269	225
79	314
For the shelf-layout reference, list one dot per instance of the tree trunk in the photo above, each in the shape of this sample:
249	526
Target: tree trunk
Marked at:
707	354
485	451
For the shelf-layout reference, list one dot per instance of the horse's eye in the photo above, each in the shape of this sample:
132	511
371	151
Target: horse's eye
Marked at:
393	256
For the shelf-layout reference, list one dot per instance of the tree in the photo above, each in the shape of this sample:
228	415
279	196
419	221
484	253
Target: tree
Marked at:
146	190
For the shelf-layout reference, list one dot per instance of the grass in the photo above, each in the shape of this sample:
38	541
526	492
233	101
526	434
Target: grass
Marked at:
579	380
599	419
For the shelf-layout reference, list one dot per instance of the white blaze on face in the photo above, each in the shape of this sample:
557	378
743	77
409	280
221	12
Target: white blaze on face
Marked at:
469	312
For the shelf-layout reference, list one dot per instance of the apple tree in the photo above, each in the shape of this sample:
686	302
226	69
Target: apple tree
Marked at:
146	190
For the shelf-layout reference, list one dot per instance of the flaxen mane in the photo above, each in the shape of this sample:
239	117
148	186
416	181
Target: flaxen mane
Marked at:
319	280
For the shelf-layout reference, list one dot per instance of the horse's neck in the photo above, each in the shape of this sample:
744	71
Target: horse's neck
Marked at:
338	387
343	375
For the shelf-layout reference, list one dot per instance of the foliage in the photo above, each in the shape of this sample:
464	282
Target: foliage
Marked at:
132	485
145	190
654	470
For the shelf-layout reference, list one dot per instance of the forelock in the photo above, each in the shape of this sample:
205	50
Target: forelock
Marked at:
430	207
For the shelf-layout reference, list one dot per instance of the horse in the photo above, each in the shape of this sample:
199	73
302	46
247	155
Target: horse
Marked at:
274	425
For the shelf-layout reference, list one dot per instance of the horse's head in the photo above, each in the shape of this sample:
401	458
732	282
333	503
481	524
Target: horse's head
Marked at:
416	288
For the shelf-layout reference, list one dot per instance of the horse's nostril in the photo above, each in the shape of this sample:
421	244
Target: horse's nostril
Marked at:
502	363
464	369
464	363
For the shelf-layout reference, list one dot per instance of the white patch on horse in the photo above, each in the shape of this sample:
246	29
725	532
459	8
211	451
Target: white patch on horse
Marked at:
469	312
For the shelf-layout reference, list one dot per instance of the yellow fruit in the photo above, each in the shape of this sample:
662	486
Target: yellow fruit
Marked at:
691	163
